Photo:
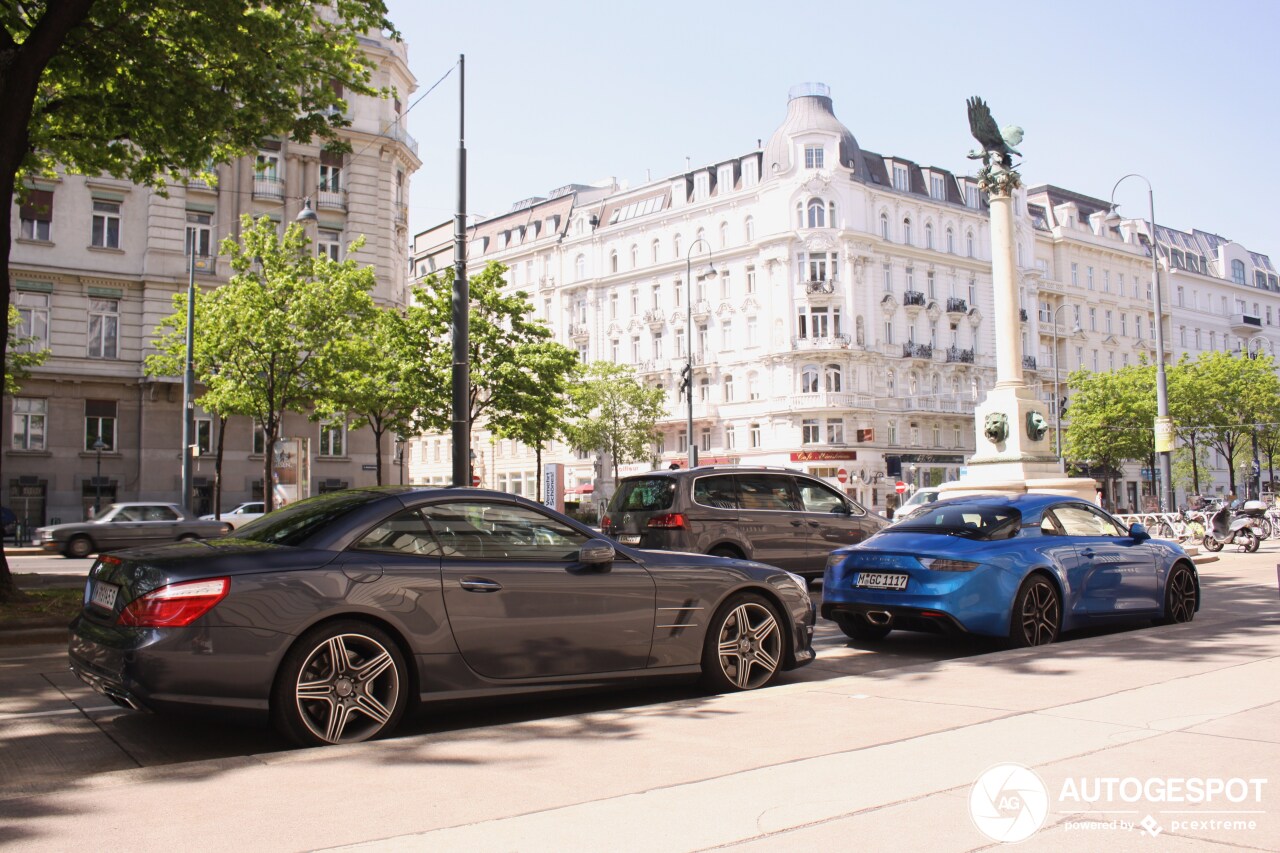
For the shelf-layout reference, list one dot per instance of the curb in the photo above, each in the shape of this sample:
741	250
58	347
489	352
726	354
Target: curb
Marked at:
55	632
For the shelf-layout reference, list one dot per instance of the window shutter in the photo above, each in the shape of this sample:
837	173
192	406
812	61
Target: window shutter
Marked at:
38	206
331	158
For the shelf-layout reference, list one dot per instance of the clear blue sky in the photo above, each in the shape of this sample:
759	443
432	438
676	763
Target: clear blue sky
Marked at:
573	91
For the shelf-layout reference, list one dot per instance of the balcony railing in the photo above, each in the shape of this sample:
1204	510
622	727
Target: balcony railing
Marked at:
652	365
1022	314
956	305
911	350
579	330
913	297
335	199
1245	323
206	264
955	355
268	186
1028	362
824	342
654	317
830	400
929	403
701	310
820	287
396	131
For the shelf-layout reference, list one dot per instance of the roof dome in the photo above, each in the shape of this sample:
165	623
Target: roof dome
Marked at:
809	109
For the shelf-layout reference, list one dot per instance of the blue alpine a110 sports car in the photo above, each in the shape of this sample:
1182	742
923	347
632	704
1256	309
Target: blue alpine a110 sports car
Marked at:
1026	568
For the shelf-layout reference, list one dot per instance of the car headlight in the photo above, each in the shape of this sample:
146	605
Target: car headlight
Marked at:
800	582
945	564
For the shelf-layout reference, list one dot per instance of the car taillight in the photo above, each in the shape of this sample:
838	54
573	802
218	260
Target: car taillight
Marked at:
606	523
175	605
668	521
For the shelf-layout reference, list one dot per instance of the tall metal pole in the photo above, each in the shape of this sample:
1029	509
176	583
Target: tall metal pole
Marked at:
1168	501
688	367
461	376
1057	398
189	380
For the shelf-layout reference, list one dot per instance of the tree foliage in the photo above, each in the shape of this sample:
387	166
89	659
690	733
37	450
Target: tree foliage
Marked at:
21	357
1112	416
538	396
142	90
274	338
615	413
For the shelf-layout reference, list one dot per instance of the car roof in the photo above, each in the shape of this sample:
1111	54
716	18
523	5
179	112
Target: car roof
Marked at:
718	469
1025	504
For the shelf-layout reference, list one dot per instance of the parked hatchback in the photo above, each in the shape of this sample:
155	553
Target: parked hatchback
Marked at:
777	516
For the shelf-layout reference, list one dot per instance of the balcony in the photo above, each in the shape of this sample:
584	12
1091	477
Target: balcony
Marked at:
268	187
819	287
655	318
546	282
205	264
914	350
580	331
824	400
396	131
913	297
955	355
334	199
929	403
653	365
1022	314
1245	324
402	214
956	305
678	410
700	310
200	185
1029	362
821	343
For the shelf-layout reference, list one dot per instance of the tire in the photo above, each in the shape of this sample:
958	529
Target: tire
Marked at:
1164	530
1263	528
745	645
1180	596
315	703
1037	613
725	551
1251	542
858	627
1211	544
79	547
188	537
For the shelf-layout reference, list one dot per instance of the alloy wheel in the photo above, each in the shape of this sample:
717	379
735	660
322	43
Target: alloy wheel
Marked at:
347	689
1181	596
749	645
1040	614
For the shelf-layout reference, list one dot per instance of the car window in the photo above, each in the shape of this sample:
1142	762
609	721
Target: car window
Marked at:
404	533
492	531
644	494
819	497
295	523
1080	520
250	508
128	513
159	513
971	521
768	491
717	491
1047	525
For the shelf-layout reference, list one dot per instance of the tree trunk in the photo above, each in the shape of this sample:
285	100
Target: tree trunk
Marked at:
537	468
377	450
217	468
1195	466
271	433
21	67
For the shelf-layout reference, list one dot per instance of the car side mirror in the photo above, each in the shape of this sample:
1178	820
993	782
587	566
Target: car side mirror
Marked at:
596	552
1138	532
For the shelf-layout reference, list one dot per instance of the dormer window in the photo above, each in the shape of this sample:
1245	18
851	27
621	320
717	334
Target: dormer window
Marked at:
937	189
750	172
971	195
813	157
701	185
901	181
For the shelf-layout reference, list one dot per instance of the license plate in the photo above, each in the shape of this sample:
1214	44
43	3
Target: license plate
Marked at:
881	580
104	595
629	540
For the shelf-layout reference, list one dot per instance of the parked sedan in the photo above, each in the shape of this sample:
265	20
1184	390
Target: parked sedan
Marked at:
334	615
127	525
241	515
1024	567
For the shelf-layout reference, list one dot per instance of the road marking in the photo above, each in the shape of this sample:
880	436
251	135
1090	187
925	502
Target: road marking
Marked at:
27	714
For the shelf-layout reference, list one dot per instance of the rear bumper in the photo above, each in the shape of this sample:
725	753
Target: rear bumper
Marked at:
900	618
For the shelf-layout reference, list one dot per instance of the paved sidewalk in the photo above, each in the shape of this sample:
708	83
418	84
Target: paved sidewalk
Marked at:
881	761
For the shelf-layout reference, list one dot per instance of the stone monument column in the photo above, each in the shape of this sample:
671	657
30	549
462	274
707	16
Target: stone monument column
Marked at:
1004	277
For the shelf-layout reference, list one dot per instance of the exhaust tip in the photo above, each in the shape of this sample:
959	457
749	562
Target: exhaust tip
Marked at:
879	617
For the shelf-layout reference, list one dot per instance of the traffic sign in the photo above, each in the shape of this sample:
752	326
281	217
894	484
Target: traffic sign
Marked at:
900	486
842	475
475	479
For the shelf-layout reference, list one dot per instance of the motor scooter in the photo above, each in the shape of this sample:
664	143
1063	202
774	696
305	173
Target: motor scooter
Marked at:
1227	530
1256	512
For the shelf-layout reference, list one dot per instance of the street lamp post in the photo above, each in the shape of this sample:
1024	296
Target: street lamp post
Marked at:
1163	425
688	367
1255	475
98	446
1057	398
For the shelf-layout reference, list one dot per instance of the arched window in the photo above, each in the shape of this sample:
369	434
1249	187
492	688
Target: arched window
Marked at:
704	389
831	377
951	242
727	382
579	268
751	229
968	243
928	235
1237	271
884	226
809	379
817	214
724	235
675	247
613	261
906	230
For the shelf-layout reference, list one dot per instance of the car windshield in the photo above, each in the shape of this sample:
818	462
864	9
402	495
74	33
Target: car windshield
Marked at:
293	524
644	494
971	521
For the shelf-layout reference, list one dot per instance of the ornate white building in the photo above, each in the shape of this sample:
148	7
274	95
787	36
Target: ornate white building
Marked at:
845	333
95	264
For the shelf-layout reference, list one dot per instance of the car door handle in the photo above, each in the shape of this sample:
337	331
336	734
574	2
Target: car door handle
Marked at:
814	524
1089	553
480	585
796	522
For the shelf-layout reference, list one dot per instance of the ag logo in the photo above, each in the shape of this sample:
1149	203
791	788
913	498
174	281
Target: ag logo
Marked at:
1008	803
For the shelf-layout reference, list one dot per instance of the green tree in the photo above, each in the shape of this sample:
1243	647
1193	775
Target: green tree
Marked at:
1235	394
21	357
615	413
378	380
537	391
1112	417
276	331
502	331
142	90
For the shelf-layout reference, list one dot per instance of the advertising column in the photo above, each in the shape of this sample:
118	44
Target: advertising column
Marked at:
553	486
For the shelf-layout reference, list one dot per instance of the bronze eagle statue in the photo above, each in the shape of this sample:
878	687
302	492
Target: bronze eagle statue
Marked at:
997	144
